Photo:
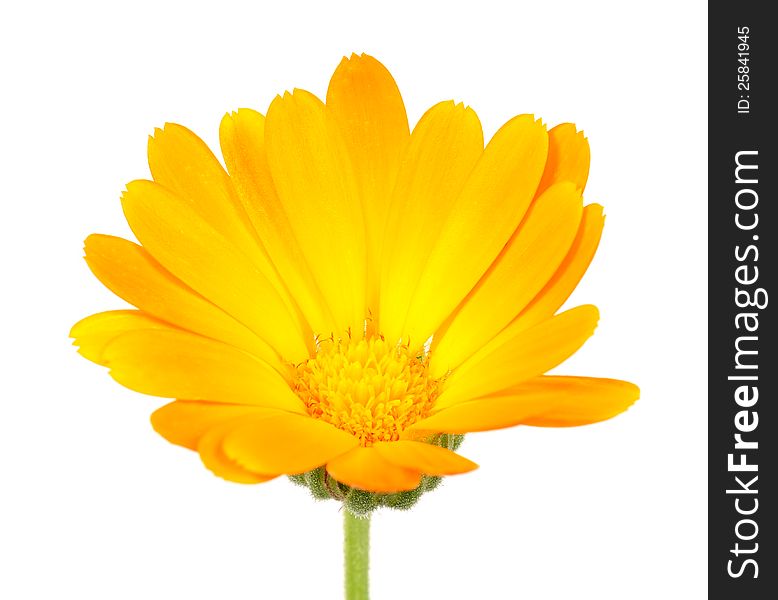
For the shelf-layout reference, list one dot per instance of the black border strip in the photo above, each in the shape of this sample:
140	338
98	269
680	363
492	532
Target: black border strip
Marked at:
742	302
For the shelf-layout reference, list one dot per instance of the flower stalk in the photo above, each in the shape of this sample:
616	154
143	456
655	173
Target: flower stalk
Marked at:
356	549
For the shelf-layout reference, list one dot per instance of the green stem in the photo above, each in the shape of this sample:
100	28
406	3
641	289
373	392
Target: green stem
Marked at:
356	547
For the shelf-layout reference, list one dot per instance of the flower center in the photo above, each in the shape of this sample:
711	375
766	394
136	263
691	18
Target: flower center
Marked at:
367	387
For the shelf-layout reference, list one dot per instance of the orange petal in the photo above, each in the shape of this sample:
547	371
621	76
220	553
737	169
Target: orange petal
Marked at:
543	401
181	162
368	110
512	357
95	332
522	269
132	274
286	443
429	459
179	364
568	158
201	257
211	449
479	223
569	273
242	138
316	186
183	422
444	147
366	469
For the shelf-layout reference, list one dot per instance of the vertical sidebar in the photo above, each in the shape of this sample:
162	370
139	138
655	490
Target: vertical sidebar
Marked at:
742	302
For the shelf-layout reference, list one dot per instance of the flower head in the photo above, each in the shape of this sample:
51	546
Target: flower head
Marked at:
349	294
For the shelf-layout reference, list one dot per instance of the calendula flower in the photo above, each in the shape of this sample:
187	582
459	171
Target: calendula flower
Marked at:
348	296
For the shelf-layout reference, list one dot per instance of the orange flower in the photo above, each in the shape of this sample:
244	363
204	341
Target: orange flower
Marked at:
348	290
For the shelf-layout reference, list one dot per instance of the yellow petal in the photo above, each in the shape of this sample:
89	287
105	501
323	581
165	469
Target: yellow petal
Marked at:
316	186
367	108
286	443
444	147
132	274
179	364
95	332
183	422
365	469
211	449
181	162
199	256
242	138
481	221
429	459
524	266
543	401
569	273
512	357
568	157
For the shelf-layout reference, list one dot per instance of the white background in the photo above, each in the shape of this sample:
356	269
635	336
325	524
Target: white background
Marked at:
96	506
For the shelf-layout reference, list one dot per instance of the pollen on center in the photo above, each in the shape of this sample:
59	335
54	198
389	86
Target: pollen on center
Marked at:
367	387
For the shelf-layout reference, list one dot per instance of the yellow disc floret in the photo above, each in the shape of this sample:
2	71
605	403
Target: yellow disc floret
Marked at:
367	387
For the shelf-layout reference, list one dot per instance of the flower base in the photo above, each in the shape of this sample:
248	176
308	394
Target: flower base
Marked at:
361	503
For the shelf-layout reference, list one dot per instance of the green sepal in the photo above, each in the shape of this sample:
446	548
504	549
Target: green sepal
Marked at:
315	480
452	441
298	480
360	503
403	500
430	482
